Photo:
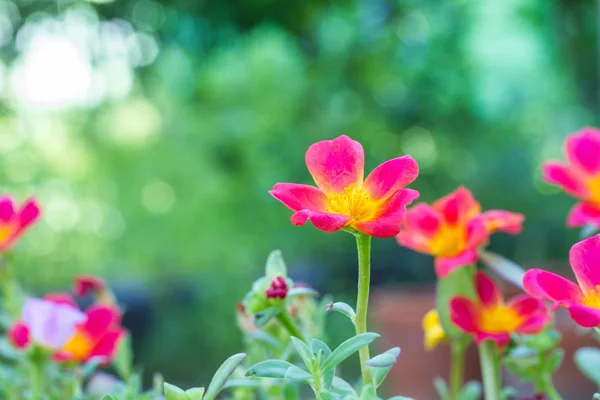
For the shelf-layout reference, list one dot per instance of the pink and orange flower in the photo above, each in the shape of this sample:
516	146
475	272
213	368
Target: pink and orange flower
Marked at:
15	220
582	299
490	318
453	228
374	206
579	176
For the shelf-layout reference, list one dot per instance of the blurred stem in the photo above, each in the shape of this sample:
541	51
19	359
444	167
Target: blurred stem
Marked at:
36	374
286	320
549	388
363	243
10	288
457	367
490	370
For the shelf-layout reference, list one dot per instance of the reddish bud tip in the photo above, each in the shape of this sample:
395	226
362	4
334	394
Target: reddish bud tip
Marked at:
18	335
87	284
278	289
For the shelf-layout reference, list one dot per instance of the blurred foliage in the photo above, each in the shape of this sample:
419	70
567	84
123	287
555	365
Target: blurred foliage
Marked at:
152	131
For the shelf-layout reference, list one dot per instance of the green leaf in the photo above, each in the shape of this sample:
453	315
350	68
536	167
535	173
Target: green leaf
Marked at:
343	388
172	392
508	393
305	353
554	361
384	360
297	374
91	366
368	393
441	388
328	396
400	398
222	375
596	395
343	308
123	362
275	265
458	283
269	369
346	349
470	391
588	361
261	318
158	383
249	383
506	269
107	397
322	351
379	374
195	393
301	291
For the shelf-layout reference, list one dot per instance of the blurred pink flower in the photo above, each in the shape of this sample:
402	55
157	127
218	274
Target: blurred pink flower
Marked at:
453	228
14	221
374	206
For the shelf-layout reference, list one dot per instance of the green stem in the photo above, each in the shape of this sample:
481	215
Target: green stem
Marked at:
489	370
549	388
457	368
363	243
37	379
286	320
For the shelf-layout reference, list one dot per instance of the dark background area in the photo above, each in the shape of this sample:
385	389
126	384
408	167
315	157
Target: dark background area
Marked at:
151	132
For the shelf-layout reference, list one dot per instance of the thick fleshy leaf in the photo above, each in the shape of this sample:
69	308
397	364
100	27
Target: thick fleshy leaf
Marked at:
458	207
343	308
506	269
583	214
561	175
585	316
195	393
298	197
322	351
583	150
336	164
585	258
323	221
172	392
275	266
488	292
297	374
503	221
269	369
458	283
388	221
588	361
464	314
446	265
222	375
549	286
391	176
379	363
346	349
304	351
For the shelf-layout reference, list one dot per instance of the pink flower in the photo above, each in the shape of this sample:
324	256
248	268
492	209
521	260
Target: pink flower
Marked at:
375	206
579	176
19	336
582	300
87	284
46	323
489	318
15	221
453	228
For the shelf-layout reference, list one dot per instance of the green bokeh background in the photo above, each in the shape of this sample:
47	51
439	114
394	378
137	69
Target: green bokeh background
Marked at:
155	175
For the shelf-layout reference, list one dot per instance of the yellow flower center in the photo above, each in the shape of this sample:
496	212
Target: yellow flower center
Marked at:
6	231
498	319
79	346
353	202
449	241
593	298
594	188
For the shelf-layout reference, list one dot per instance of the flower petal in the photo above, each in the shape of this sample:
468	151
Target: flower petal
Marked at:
464	314
534	324
390	217
61	298
583	150
391	176
549	286
505	221
585	316
477	233
7	209
445	265
583	214
585	259
458	207
561	175
324	221
99	319
299	197
87	284
336	164
28	214
421	223
525	305
488	292
108	345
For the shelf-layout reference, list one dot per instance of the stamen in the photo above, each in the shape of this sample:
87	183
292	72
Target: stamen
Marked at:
593	298
498	319
353	202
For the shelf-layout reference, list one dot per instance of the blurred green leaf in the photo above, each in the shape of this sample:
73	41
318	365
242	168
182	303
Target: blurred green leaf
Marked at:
275	266
172	392
222	375
458	283
506	269
343	308
346	349
588	361
269	369
195	393
305	353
